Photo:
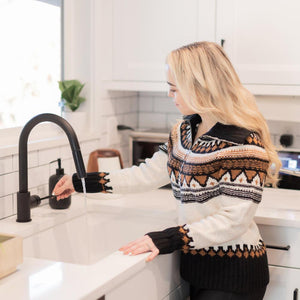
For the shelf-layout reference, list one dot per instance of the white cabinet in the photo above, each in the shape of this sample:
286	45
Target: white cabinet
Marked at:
287	242
284	262
144	32
158	280
262	39
284	284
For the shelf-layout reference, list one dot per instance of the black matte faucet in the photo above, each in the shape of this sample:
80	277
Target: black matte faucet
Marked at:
23	196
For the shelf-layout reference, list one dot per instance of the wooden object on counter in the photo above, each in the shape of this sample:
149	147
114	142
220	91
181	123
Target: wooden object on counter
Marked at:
102	153
11	253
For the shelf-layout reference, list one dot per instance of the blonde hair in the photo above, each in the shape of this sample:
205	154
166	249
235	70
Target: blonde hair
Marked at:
208	83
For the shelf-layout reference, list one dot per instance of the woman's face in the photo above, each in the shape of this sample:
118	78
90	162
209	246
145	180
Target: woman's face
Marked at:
174	93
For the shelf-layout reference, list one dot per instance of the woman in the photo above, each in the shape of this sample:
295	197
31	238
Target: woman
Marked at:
218	159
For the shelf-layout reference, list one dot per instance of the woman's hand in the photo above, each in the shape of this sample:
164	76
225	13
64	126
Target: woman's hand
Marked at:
64	187
142	245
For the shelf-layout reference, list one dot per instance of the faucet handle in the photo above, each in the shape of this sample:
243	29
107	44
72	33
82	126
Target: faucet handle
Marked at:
35	201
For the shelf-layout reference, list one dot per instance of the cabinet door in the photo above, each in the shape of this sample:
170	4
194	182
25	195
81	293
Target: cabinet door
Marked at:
145	31
262	39
283	285
283	245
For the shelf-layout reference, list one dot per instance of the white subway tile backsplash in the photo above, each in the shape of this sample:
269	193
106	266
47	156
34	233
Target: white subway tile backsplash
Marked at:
48	155
146	103
124	138
172	119
14	196
134	105
32	160
279	108
65	152
8	184
89	146
164	105
151	120
43	190
6	164
130	119
38	176
6	206
70	166
122	105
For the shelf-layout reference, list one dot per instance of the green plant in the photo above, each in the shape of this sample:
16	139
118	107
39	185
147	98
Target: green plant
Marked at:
70	90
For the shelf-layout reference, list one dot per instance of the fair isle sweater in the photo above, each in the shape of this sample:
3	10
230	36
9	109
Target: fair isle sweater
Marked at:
218	181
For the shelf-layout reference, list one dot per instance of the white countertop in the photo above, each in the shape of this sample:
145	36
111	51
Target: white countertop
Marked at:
44	279
279	207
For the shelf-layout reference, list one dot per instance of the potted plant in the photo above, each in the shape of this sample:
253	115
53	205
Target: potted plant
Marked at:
70	94
11	253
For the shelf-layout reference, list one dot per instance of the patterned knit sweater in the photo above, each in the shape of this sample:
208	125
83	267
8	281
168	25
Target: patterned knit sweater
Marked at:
218	180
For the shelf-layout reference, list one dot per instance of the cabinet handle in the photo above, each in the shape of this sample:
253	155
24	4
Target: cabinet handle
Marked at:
222	43
285	248
295	297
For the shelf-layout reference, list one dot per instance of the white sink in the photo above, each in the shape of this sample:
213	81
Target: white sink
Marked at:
87	238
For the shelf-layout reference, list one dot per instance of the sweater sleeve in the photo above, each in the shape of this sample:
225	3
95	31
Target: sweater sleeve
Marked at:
234	206
147	176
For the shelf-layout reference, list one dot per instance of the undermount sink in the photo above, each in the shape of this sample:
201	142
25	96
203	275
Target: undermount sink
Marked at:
87	238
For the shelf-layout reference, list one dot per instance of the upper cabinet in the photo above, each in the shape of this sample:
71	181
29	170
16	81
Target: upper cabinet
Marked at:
262	39
144	32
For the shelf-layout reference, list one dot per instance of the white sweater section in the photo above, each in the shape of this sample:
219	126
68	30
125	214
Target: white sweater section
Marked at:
147	176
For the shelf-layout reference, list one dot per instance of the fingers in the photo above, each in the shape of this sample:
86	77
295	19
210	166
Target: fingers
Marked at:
131	244
64	187
152	255
142	245
64	195
58	189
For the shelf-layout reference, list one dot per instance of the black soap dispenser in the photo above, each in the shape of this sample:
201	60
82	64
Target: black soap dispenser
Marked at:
62	203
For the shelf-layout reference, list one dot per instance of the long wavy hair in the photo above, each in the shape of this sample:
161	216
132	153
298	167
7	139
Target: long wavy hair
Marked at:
208	83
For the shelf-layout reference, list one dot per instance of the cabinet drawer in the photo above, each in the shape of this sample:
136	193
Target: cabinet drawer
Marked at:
287	240
284	284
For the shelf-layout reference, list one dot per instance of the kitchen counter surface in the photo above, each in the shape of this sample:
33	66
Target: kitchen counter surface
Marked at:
44	279
279	207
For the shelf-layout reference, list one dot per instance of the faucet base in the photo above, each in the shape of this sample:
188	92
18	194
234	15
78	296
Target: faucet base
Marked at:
23	207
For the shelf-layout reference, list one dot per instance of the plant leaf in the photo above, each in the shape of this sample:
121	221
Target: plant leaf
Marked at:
80	100
72	106
68	94
79	89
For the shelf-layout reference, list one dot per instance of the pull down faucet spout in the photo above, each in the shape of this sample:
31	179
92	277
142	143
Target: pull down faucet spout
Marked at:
23	196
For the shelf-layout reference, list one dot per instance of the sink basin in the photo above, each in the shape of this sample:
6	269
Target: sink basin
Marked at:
87	238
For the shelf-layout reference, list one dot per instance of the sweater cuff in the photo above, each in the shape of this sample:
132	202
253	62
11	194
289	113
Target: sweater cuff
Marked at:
95	182
170	239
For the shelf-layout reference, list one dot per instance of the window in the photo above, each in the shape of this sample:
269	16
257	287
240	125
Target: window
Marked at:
30	59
